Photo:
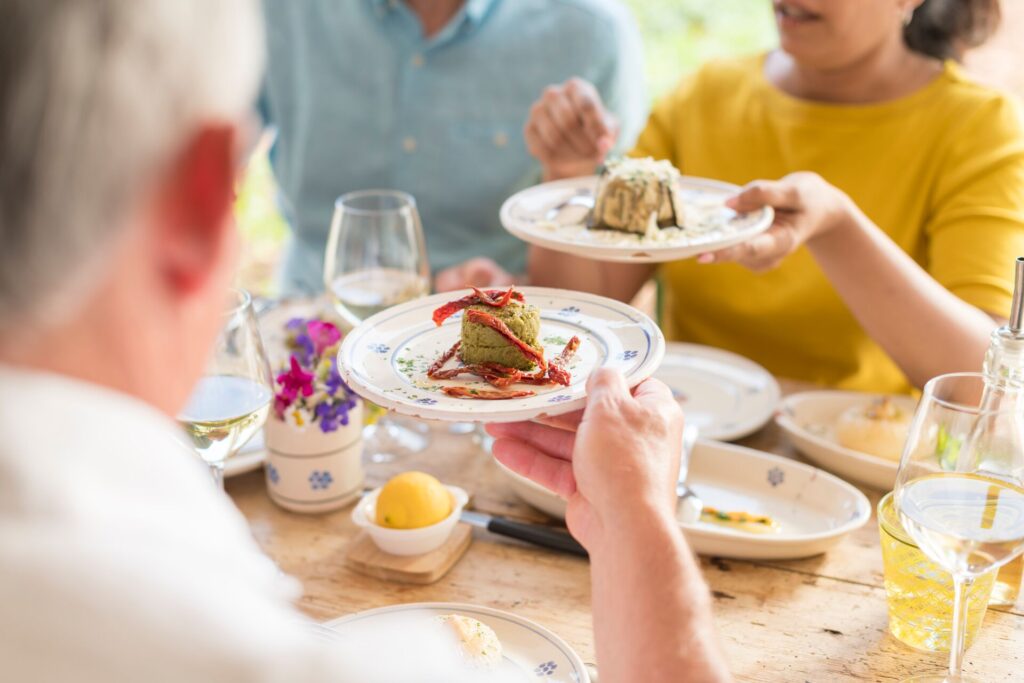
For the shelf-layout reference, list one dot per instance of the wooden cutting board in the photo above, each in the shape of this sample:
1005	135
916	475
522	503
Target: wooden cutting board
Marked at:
366	558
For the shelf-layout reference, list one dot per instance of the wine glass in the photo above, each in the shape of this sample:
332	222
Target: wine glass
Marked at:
960	488
377	258
231	401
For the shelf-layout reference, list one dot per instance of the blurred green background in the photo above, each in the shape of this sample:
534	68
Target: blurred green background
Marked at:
678	36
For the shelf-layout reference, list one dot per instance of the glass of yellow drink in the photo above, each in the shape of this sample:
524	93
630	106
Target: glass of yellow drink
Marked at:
920	592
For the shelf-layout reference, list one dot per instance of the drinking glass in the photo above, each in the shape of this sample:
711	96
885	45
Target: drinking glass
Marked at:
960	488
377	258
231	401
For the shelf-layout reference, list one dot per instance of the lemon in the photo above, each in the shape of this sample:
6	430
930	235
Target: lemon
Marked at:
412	500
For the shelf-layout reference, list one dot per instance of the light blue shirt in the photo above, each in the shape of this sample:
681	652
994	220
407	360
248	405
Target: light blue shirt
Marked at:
362	100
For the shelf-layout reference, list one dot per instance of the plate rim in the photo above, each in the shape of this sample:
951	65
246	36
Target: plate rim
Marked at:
621	254
427	412
460	607
751	425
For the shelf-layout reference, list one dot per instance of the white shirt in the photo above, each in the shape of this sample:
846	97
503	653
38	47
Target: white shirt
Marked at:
120	561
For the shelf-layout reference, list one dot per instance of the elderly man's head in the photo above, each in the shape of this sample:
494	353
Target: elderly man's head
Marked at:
122	127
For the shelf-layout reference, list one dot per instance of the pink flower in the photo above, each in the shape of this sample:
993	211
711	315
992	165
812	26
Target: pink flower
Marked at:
280	405
294	382
323	334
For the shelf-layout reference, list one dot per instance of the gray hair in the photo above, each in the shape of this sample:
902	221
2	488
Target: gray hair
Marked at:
96	96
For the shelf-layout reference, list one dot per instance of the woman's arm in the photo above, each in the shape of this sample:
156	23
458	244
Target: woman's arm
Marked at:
619	281
926	329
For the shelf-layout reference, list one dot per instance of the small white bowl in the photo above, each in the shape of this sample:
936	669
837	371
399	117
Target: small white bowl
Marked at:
408	541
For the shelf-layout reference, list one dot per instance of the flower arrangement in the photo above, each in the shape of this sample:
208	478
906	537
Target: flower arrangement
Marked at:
310	389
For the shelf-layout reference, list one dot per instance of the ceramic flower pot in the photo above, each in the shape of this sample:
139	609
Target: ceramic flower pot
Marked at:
309	470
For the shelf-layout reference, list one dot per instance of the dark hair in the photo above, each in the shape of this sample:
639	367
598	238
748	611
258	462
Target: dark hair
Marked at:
946	29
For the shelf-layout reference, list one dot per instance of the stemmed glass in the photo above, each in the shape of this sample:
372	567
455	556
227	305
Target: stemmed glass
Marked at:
231	402
377	258
960	488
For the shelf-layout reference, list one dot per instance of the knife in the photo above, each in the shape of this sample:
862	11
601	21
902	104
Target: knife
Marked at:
537	534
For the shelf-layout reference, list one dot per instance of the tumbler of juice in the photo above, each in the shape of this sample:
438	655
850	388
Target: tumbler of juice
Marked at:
919	592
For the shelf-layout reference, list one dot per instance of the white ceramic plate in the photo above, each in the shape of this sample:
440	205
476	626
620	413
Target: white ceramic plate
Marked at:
530	651
385	359
552	215
724	394
814	509
809	418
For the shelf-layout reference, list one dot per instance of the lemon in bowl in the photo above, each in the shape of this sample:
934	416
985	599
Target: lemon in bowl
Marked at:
412	500
412	514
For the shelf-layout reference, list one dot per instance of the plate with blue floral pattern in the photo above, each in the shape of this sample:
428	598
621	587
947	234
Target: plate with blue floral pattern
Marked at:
415	648
813	510
386	358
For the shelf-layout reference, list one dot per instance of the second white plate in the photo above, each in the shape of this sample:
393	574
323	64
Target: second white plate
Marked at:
724	394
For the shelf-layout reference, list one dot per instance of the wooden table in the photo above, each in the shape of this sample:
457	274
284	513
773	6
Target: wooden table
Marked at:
819	619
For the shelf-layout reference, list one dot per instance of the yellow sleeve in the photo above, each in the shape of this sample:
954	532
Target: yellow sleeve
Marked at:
976	226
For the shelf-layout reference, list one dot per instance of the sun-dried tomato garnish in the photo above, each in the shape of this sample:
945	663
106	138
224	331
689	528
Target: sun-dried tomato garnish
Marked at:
434	369
557	368
497	298
485	394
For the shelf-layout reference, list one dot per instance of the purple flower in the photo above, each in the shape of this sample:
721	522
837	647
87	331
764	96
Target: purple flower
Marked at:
294	324
334	413
304	350
334	383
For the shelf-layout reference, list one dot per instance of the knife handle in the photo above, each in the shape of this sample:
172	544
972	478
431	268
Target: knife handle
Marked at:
543	536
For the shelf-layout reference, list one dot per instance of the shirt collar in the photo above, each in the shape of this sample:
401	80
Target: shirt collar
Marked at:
475	10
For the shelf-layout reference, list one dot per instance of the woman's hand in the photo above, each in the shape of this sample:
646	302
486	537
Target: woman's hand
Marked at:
806	206
616	462
477	272
569	131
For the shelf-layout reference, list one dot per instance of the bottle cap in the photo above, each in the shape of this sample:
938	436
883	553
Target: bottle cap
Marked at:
1017	307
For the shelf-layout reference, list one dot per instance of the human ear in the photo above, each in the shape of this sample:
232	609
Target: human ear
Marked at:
193	209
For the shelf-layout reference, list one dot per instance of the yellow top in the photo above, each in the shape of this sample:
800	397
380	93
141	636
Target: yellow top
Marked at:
941	171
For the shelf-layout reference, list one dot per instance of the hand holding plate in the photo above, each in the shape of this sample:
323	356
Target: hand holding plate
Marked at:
806	206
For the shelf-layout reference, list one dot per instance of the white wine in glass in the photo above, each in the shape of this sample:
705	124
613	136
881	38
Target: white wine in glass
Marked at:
360	294
231	402
376	254
377	258
960	488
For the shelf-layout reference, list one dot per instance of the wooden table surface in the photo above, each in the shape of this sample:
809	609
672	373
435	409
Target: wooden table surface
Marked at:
818	619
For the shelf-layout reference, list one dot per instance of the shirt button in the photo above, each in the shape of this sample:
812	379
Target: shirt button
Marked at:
409	144
417	60
500	139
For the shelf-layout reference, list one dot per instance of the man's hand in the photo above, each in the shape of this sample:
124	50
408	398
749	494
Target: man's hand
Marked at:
806	206
569	131
616	462
477	272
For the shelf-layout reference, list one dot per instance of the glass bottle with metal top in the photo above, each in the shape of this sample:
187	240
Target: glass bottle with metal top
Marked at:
1004	369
